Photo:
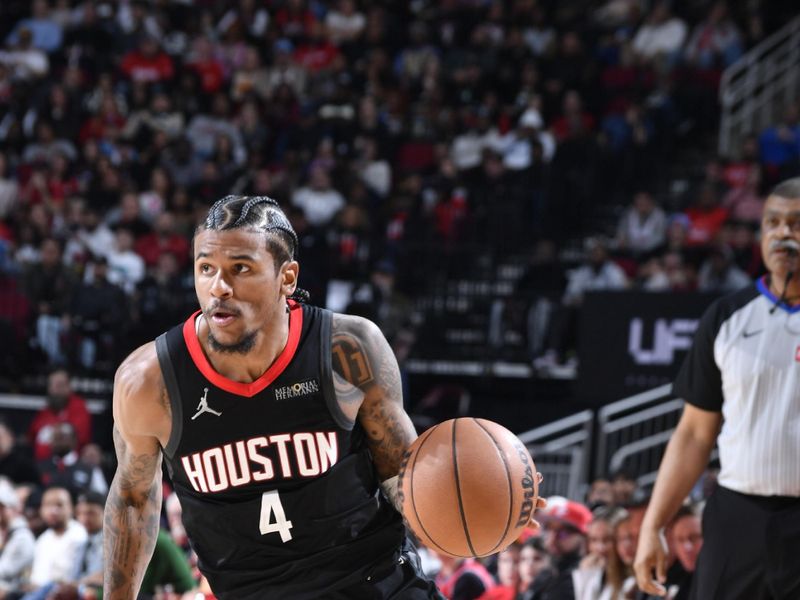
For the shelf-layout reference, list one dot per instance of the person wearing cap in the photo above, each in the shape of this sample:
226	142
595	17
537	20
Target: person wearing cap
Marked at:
740	386
16	541
566	524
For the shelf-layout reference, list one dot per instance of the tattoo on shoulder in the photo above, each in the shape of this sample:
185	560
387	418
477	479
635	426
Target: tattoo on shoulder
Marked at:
350	359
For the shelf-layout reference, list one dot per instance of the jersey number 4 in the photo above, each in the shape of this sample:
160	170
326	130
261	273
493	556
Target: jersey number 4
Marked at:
271	506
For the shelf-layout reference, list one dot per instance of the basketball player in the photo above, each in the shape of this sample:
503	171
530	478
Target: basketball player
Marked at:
740	383
279	423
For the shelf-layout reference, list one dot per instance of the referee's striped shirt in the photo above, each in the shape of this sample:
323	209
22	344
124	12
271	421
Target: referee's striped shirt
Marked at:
745	362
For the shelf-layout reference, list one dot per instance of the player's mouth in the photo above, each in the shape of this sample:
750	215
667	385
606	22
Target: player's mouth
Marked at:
222	318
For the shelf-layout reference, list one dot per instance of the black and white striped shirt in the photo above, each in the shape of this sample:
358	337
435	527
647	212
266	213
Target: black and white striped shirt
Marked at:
745	363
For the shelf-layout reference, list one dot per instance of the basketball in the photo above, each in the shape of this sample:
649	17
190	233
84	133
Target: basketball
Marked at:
468	487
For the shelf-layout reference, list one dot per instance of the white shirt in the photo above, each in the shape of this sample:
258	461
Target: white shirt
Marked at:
125	269
663	38
585	278
319	206
55	556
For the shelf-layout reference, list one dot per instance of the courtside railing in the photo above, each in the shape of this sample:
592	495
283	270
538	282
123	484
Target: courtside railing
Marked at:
561	452
757	88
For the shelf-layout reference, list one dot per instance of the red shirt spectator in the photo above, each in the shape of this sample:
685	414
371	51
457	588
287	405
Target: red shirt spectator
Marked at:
63	406
705	218
163	240
147	63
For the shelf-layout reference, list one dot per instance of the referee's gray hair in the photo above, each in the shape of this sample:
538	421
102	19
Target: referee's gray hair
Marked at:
789	189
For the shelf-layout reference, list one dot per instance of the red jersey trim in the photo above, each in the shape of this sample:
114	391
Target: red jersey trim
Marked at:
236	387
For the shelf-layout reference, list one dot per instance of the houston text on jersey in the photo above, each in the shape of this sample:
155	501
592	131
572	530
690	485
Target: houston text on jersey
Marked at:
264	458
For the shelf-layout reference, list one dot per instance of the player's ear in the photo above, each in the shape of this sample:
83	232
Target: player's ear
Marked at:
289	273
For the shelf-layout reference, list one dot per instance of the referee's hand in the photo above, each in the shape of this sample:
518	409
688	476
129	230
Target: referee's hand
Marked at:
651	554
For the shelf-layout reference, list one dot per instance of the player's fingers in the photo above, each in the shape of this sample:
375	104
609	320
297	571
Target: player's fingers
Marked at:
534	524
661	568
541	502
644	579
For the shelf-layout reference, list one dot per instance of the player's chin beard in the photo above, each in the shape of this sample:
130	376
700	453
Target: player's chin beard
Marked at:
243	346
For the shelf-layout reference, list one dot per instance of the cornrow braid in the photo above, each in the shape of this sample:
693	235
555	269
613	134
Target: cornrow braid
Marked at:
263	214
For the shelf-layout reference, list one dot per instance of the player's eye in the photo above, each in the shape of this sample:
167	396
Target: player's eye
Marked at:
241	268
205	268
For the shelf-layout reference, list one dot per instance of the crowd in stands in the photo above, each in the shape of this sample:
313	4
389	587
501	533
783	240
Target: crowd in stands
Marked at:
392	133
487	125
585	551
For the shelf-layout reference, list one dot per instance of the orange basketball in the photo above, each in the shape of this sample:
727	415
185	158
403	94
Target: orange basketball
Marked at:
468	487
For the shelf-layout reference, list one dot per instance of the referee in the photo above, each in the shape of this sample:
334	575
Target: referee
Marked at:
741	384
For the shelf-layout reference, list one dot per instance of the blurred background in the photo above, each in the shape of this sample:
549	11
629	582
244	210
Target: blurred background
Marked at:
534	199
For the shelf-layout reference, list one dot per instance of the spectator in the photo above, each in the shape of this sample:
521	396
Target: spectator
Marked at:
779	145
706	217
89	513
566	524
344	23
745	203
148	63
318	200
96	320
537	574
160	116
57	550
25	62
601	493
715	42
463	578
643	227
128	215
599	272
125	267
49	285
47	146
204	129
16	541
63	406
624	486
685	538
164	239
16	465
719	273
661	37
508	581
168	567
602	574
65	469
47	34
91	237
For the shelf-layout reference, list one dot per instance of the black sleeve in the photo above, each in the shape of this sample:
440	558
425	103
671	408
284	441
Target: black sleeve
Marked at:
468	587
699	381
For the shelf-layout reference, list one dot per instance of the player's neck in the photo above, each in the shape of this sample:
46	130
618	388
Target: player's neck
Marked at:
246	368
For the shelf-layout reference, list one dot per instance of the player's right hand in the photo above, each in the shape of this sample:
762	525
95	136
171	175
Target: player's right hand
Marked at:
651	555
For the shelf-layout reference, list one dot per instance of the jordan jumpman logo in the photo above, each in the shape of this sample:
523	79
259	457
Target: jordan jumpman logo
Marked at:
203	406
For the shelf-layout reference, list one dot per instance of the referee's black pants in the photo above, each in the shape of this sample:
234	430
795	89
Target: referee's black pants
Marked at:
751	548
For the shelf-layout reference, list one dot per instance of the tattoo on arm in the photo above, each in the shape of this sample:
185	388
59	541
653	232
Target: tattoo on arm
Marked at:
131	520
365	359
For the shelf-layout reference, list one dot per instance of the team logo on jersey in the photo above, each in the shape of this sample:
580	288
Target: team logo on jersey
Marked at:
203	407
301	388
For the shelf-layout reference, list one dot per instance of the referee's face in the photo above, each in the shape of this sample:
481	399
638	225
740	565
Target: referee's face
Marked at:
780	233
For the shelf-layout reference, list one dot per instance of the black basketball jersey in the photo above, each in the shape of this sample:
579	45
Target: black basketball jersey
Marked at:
279	494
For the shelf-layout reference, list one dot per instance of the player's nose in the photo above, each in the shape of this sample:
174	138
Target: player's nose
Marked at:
220	288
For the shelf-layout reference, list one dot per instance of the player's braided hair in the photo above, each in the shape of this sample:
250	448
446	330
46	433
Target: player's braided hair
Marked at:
263	214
